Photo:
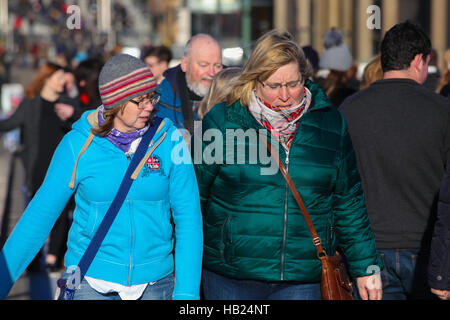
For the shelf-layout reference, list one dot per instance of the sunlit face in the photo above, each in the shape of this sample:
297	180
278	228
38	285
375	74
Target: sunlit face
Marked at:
69	81
284	88
56	81
156	66
135	115
203	63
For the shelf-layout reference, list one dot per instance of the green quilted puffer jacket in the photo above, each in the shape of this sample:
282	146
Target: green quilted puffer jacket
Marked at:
253	228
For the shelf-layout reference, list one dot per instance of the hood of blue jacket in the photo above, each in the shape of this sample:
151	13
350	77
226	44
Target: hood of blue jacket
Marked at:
87	121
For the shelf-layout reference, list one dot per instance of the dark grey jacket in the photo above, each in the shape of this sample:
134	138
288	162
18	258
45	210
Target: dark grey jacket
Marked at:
439	265
401	134
27	118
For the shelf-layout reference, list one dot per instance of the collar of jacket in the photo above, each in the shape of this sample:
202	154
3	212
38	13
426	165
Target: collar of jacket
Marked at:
90	120
171	76
240	115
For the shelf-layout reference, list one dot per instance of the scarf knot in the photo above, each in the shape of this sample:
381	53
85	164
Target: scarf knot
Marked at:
281	123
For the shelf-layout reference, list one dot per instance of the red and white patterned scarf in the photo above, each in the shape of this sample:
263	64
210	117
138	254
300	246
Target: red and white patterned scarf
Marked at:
281	123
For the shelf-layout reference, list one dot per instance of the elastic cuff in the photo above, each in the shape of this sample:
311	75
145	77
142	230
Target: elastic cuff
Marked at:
185	296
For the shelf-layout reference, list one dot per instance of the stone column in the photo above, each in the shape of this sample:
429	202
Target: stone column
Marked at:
364	34
320	23
280	15
347	22
334	13
390	10
439	27
304	22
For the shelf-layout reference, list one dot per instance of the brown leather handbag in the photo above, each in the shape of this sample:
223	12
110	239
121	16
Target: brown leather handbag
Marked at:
335	283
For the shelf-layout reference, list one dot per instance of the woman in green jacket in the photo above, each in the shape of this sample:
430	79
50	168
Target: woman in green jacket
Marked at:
256	242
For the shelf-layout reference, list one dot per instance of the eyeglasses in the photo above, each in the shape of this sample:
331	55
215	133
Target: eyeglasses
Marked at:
291	85
144	103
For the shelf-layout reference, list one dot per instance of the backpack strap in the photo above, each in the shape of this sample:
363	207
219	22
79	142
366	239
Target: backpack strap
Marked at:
83	149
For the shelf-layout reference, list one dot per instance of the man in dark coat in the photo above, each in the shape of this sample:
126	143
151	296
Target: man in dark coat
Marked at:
400	132
439	267
185	85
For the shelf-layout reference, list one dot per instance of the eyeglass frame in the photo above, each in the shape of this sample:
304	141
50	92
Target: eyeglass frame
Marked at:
278	86
153	100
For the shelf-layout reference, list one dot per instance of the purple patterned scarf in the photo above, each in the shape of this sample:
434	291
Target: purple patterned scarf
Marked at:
122	140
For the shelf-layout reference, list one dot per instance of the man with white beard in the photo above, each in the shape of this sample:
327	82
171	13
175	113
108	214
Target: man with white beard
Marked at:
185	85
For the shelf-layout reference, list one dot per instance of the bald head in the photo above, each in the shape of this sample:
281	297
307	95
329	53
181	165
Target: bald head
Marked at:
202	60
200	40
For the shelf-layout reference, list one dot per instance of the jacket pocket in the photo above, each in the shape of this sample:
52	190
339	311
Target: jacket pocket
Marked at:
152	219
226	241
152	233
97	212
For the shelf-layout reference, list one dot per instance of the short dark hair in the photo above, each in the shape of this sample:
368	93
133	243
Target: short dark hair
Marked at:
89	70
401	44
163	53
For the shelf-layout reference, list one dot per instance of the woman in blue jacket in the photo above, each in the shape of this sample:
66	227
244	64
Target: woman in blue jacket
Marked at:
139	257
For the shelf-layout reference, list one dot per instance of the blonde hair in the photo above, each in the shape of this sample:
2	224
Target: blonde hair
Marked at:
272	51
445	78
219	89
372	72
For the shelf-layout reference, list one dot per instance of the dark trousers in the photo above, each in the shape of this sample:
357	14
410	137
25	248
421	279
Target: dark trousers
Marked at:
218	287
404	275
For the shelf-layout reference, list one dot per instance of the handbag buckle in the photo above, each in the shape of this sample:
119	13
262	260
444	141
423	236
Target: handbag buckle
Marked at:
317	242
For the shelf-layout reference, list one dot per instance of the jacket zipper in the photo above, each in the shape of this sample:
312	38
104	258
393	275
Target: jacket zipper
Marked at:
131	243
330	244
285	219
286	202
131	232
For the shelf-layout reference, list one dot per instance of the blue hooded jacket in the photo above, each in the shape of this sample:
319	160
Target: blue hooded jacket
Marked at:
163	203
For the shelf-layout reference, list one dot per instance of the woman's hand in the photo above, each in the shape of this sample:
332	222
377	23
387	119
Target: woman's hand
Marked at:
370	287
442	294
63	111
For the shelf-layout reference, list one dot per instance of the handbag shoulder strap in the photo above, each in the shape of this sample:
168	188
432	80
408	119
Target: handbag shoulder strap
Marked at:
316	239
110	215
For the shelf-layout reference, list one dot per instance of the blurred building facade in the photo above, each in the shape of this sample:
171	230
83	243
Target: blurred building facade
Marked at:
310	19
240	23
33	25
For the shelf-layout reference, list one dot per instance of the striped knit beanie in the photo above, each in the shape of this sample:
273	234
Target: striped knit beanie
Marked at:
122	78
